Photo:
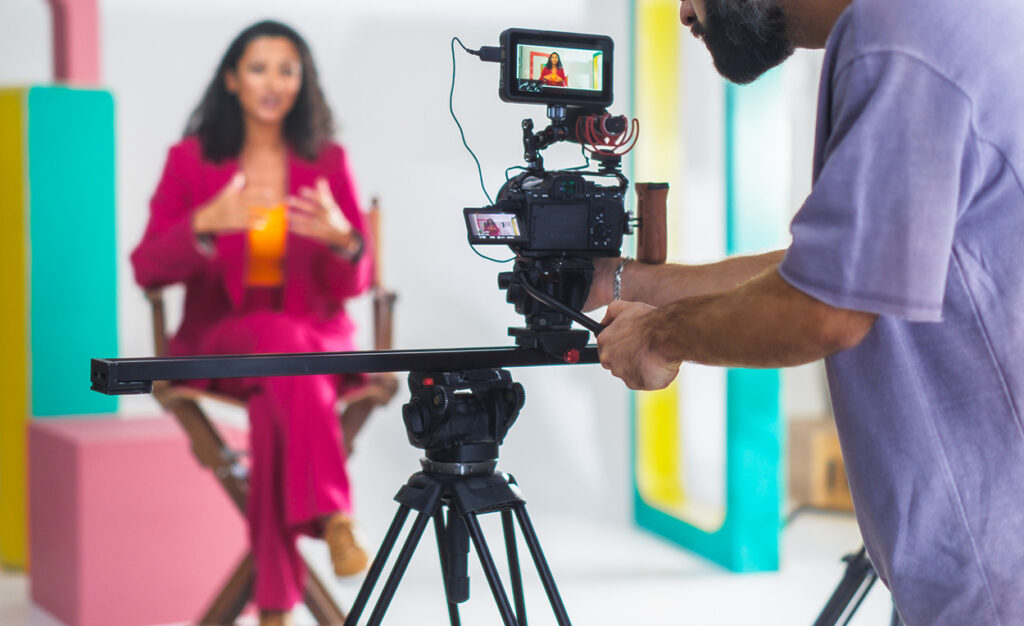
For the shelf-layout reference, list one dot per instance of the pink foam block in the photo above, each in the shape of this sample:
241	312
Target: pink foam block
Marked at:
125	526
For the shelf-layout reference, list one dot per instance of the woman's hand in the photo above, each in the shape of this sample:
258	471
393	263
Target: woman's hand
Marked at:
232	209
317	215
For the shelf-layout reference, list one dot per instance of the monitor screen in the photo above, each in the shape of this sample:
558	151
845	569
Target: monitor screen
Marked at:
565	68
547	67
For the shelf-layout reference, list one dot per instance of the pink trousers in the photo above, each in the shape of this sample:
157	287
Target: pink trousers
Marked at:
298	471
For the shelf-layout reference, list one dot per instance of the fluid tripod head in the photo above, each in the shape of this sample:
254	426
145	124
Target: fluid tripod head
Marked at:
461	418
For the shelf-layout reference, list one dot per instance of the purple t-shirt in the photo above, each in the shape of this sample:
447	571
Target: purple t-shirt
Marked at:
917	214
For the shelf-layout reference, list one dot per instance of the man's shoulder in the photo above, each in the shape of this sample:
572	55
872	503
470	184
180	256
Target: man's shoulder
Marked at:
940	33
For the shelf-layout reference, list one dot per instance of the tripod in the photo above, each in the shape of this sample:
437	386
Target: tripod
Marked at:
459	482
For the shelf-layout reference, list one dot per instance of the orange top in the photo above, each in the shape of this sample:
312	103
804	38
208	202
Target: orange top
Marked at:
266	248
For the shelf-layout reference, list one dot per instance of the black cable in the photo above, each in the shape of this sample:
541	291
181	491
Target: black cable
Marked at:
583	151
462	133
484	256
451	109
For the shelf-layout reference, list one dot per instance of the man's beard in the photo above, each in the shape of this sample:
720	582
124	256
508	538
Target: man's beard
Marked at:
745	41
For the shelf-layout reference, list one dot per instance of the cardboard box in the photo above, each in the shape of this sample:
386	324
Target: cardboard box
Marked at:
817	477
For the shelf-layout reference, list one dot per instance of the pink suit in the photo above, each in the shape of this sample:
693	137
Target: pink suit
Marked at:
298	463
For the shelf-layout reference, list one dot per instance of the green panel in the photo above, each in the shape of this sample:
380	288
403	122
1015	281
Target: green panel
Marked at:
73	262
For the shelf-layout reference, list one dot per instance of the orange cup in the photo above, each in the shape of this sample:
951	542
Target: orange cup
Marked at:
267	238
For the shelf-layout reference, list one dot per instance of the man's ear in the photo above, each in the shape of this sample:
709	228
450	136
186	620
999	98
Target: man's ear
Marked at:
231	81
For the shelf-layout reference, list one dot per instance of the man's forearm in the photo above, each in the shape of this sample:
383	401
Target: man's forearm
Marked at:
658	285
762	323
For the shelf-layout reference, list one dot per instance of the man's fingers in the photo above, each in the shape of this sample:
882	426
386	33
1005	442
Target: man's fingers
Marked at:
614	310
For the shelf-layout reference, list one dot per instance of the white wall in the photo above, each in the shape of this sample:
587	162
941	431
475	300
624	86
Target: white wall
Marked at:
570	447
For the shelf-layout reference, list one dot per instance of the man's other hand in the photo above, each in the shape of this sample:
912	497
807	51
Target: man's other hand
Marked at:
626	349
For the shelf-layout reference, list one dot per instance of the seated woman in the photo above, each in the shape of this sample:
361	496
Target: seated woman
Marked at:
257	155
552	73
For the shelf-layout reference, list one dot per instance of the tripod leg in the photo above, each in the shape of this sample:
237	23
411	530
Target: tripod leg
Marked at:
490	571
401	563
443	551
513	566
377	566
530	535
862	593
858	573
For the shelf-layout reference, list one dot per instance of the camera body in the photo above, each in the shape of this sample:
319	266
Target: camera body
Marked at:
553	213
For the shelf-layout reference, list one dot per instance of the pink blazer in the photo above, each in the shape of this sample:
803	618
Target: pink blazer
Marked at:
317	280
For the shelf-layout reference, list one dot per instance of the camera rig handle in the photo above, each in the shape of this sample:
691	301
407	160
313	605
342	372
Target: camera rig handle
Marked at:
652	240
576	316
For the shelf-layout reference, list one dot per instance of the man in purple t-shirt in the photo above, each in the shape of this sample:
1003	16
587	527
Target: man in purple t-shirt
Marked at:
906	273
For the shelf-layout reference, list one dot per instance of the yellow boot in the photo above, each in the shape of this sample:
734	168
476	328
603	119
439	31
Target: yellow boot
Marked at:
347	554
275	618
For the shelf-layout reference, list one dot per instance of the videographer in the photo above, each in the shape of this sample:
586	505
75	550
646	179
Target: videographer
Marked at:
904	274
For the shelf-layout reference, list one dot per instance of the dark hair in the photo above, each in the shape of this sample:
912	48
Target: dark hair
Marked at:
548	66
218	121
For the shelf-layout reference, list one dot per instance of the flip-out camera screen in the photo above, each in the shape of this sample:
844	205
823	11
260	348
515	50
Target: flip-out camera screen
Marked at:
489	226
556	68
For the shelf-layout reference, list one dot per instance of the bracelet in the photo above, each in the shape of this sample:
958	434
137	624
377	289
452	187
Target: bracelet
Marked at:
617	279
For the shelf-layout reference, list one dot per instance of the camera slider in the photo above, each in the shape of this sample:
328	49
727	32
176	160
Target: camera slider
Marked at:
136	375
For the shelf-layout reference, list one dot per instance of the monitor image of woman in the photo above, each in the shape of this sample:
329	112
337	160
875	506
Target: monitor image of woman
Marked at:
552	73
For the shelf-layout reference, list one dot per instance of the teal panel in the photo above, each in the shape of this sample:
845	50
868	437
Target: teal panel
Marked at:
757	212
73	258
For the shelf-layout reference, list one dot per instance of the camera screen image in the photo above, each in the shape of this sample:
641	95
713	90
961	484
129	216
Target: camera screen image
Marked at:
569	68
493	227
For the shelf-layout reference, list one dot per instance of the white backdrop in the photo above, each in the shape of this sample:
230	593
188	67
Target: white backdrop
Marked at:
386	69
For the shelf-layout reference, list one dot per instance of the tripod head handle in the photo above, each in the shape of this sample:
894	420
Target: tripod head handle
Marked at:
576	316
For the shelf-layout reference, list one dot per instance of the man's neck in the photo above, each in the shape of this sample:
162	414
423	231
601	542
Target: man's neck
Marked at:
811	21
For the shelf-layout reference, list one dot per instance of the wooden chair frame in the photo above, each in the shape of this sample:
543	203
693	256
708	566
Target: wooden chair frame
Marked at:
212	452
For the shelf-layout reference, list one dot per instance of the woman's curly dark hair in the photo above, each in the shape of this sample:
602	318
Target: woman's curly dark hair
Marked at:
550	63
218	119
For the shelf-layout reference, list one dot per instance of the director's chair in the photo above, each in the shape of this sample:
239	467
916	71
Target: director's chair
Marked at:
210	450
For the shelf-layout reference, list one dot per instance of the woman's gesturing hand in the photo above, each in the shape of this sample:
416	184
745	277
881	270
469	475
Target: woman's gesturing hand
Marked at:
234	208
315	214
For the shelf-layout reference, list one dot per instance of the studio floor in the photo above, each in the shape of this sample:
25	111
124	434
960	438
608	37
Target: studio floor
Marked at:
607	575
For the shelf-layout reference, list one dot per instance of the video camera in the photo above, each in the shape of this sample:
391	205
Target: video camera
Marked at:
557	221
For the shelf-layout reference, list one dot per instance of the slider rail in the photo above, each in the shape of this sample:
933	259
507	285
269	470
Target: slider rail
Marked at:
136	375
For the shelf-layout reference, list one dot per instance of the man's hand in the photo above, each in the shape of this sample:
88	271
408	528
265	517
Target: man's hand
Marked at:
626	349
601	286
